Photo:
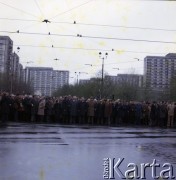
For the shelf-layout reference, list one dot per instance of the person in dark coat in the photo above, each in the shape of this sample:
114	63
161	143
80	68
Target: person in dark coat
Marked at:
12	110
48	109
162	115
97	109
175	115
116	112
21	112
27	108
146	113
126	110
82	110
15	108
73	110
108	112
57	108
5	104
153	114
132	113
34	108
66	109
90	111
101	112
138	113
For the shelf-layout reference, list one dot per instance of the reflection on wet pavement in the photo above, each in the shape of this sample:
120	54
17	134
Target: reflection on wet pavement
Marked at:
41	151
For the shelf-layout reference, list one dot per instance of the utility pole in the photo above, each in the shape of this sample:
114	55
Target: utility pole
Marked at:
77	77
103	57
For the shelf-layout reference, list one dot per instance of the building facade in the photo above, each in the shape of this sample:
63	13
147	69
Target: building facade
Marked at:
59	79
45	80
6	49
16	68
84	81
132	79
159	70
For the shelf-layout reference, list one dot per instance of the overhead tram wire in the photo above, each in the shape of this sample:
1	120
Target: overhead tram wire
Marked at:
59	14
76	29
99	65
76	32
120	69
62	47
17	9
41	12
85	49
115	26
93	37
51	39
88	24
29	26
117	63
16	19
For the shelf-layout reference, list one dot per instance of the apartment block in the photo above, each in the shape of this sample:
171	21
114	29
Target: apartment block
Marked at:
6	49
45	80
159	70
132	79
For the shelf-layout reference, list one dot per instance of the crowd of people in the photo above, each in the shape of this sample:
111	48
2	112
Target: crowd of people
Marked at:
74	110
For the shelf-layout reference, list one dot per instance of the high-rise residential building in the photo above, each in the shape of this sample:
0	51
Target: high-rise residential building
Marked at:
132	79
6	49
45	80
20	72
15	67
59	79
159	70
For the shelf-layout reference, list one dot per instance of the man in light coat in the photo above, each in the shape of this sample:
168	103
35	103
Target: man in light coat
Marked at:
41	109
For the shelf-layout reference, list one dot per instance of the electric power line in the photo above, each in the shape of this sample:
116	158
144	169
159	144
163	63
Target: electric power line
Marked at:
39	7
17	19
85	49
100	25
118	63
70	9
62	47
18	9
92	37
120	69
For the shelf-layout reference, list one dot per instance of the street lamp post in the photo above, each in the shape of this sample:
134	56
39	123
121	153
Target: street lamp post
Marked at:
103	57
78	74
77	77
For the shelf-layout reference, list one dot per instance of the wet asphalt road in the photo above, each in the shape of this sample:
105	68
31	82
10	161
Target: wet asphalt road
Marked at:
58	152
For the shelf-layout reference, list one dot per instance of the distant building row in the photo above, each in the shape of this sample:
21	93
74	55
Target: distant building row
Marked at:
158	73
43	80
132	79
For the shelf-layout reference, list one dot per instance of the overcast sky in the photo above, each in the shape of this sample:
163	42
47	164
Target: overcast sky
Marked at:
89	16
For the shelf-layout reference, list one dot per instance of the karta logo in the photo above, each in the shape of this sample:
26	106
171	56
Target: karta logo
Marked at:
113	170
